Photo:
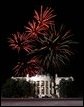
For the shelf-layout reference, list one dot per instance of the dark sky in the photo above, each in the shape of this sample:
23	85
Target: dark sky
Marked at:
15	15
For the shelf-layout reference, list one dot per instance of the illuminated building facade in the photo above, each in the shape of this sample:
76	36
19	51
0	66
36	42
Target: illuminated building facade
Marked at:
45	85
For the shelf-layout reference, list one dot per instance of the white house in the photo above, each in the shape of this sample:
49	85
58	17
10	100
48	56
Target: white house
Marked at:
44	84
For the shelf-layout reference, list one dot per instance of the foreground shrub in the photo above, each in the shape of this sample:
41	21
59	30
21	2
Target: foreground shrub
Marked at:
19	88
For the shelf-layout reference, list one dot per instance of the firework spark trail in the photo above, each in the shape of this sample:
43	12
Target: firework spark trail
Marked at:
42	22
33	29
58	45
18	41
27	67
50	45
45	16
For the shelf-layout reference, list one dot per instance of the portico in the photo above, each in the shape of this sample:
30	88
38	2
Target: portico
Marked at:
44	84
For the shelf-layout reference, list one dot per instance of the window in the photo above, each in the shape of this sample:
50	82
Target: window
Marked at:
42	83
46	90
46	83
42	87
42	90
37	83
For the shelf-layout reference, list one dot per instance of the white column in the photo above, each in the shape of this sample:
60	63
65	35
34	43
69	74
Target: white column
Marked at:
52	88
40	88
44	87
49	88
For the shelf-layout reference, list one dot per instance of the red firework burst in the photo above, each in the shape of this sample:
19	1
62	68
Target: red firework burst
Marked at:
45	17
42	22
18	41
33	29
27	67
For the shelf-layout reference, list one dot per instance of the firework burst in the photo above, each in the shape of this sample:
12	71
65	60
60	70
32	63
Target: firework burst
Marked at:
19	42
42	22
58	47
45	17
27	67
42	40
33	29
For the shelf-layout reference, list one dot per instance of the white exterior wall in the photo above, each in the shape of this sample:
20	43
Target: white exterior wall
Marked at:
42	78
49	91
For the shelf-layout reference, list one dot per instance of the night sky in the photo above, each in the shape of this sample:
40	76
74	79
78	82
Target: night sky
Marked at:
15	15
